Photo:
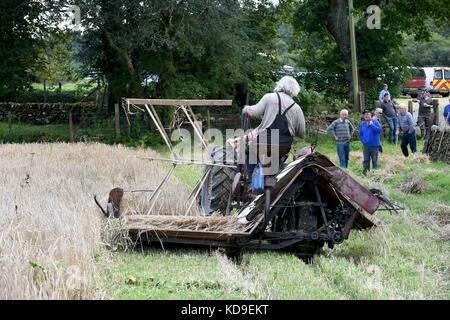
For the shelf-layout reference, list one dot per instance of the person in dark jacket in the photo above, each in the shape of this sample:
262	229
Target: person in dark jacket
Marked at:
408	127
369	134
390	114
425	119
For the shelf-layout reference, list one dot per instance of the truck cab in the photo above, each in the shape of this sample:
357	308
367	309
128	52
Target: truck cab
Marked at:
440	84
436	80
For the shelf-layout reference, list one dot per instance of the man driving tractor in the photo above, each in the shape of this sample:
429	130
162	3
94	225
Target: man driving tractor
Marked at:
282	119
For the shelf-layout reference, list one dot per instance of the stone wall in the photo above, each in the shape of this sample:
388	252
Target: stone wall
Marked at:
45	113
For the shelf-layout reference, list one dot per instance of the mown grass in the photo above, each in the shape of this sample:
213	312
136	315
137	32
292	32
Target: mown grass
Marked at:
170	275
402	259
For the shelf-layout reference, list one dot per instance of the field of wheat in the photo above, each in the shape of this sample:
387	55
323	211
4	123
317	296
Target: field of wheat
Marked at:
51	244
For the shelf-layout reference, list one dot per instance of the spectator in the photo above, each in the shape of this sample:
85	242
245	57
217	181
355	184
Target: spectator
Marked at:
406	124
378	115
383	92
369	133
390	114
425	119
447	112
342	131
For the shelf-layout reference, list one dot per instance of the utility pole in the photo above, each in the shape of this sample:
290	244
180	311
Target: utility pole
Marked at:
355	80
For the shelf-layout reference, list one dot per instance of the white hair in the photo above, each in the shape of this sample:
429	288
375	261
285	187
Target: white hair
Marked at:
379	110
288	85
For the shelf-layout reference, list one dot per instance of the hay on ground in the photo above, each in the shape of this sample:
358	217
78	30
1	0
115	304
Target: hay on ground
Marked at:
437	219
441	213
420	158
413	184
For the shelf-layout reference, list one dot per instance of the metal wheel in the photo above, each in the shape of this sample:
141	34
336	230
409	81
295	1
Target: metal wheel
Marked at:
216	191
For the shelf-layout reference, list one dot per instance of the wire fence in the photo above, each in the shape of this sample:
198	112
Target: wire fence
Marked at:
88	121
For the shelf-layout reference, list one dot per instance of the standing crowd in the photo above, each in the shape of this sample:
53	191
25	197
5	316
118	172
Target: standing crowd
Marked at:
397	119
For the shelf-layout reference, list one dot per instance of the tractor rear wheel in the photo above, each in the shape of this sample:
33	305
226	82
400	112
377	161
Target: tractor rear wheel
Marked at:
216	191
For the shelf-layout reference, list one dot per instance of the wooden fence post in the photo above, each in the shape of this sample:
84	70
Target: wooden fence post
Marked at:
71	125
9	121
436	112
410	107
362	100
208	119
116	120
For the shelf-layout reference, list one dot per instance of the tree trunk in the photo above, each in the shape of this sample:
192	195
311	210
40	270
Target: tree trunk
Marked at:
134	88
338	26
45	91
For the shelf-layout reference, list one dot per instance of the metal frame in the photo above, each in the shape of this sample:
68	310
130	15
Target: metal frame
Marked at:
355	201
186	106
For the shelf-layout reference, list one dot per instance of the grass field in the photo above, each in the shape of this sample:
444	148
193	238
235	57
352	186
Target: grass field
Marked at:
51	228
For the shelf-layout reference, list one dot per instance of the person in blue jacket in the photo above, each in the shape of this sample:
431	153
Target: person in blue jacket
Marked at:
369	134
447	112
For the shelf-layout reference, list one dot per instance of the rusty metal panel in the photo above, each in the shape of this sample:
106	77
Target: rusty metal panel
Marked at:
348	186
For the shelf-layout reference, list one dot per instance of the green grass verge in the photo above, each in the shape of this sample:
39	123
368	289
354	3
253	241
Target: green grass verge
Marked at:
19	133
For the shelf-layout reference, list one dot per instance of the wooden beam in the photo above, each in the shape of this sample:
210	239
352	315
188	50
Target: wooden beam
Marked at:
188	162
116	120
71	125
161	131
208	119
436	112
9	121
180	102
196	129
355	79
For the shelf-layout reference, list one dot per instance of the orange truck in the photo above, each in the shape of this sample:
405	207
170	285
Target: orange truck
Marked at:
436	80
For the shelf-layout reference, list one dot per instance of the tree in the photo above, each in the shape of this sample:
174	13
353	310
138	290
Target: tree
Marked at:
196	48
55	58
435	52
19	20
379	50
27	28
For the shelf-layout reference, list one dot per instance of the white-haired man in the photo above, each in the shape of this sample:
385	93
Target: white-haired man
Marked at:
280	114
342	131
378	114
